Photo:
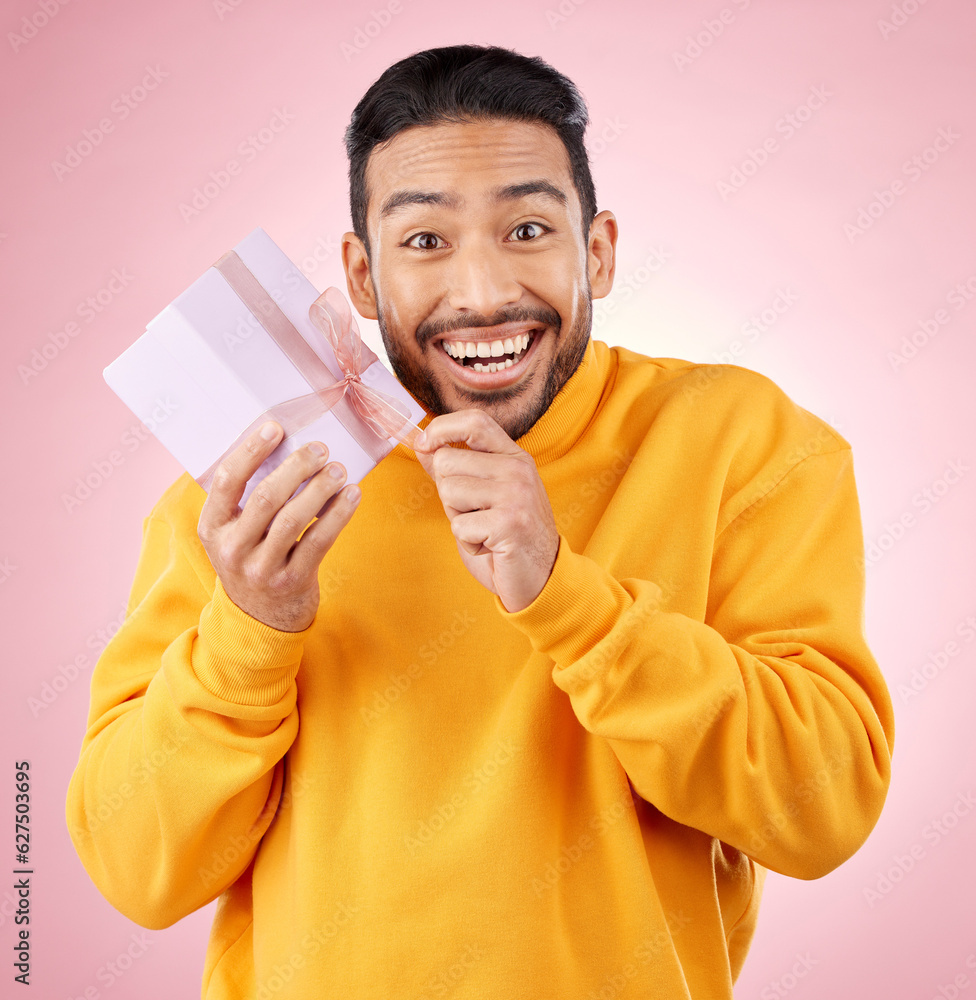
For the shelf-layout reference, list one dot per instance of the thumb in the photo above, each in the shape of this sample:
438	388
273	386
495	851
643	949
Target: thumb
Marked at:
426	460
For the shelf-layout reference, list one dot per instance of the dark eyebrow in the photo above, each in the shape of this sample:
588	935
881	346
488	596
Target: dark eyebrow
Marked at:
510	192
400	199
513	192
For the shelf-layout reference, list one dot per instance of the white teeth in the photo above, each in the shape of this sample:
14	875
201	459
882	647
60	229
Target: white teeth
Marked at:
492	366
488	349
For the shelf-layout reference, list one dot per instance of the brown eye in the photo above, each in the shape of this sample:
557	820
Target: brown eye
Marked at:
524	226
424	236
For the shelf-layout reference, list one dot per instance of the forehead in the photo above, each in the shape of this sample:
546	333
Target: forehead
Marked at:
467	162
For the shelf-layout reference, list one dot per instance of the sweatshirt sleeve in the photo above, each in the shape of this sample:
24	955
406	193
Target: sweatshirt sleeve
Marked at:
193	705
768	724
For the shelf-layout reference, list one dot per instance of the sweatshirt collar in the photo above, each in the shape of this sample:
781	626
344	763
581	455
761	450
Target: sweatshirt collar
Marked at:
562	425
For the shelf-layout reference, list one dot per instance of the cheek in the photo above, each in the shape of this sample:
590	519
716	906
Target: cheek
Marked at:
556	277
563	294
397	315
404	310
575	299
392	314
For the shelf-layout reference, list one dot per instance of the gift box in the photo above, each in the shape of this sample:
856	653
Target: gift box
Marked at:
250	340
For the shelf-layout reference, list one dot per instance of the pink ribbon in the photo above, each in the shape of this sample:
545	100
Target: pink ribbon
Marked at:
369	415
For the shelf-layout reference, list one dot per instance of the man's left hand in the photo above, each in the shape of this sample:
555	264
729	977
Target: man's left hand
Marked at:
498	508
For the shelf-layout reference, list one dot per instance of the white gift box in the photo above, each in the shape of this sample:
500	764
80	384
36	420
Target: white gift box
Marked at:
208	366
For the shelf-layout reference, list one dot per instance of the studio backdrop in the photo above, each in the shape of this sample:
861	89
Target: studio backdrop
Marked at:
793	185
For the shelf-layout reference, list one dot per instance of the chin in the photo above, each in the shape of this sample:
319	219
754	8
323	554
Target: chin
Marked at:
514	409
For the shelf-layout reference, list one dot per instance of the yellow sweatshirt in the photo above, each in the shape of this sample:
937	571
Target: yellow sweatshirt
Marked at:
422	795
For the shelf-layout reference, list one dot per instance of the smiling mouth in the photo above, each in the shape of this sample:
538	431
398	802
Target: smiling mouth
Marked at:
490	356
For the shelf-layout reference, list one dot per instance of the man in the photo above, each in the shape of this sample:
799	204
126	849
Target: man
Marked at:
529	717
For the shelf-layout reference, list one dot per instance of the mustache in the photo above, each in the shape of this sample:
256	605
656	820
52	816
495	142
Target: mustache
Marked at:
427	330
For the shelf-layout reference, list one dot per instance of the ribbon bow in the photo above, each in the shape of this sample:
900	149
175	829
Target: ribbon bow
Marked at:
385	415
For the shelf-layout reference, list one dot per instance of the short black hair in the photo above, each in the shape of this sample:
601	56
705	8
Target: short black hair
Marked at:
457	84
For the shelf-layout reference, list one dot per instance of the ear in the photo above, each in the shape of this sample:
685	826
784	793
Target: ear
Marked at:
601	257
359	282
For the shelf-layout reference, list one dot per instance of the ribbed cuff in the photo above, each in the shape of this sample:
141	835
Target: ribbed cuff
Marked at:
575	610
242	660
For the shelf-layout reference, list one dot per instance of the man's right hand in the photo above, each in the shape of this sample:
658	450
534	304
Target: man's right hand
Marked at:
262	568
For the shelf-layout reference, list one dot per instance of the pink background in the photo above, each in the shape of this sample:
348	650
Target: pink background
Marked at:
700	263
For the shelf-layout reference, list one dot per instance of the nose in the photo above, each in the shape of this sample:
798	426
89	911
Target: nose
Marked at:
481	280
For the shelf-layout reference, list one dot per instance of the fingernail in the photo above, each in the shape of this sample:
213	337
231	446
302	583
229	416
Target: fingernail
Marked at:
269	432
316	449
421	440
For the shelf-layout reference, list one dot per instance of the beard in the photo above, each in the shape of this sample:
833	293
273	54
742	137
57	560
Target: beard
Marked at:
536	390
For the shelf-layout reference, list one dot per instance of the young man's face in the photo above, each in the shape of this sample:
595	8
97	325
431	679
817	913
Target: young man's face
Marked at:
476	249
